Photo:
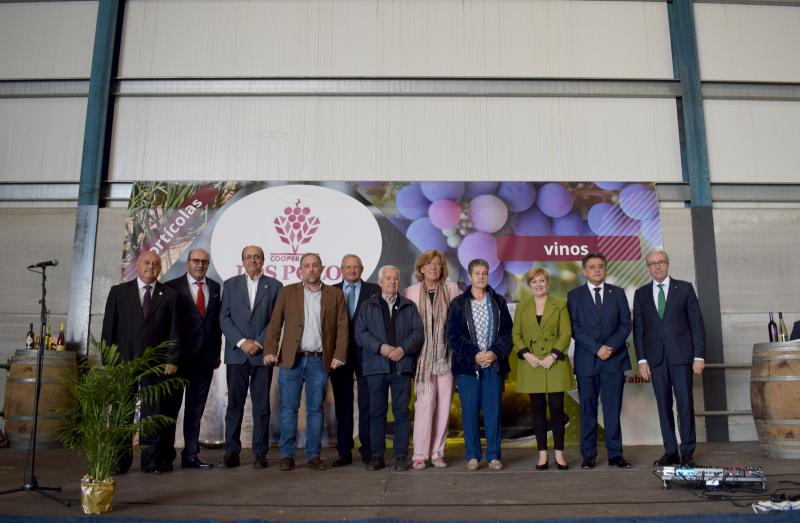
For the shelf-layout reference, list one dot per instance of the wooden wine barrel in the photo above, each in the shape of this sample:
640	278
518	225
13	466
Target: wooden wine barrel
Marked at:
57	367
775	397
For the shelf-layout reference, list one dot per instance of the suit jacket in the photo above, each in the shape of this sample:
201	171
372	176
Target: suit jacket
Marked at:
201	336
288	318
555	332
593	328
679	337
125	325
353	351
238	321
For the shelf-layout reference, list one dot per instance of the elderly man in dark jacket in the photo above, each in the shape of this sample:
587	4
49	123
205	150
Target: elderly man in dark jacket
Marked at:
390	333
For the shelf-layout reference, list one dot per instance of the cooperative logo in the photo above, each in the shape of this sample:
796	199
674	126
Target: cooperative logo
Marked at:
296	226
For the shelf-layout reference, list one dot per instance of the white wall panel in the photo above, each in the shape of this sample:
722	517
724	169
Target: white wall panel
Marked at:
41	139
395	138
46	39
748	42
753	141
520	38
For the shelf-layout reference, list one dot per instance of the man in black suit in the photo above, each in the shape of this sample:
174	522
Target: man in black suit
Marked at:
356	291
669	336
601	322
247	303
141	313
201	341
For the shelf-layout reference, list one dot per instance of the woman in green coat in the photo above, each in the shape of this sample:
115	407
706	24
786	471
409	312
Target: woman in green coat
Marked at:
541	334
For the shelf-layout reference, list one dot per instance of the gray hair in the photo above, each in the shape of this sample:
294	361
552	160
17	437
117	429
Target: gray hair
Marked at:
356	256
388	268
657	251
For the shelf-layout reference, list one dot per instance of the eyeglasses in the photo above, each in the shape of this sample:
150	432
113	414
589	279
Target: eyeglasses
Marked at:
657	263
198	261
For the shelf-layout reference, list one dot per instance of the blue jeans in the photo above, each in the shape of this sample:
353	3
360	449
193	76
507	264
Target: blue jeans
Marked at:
476	394
311	370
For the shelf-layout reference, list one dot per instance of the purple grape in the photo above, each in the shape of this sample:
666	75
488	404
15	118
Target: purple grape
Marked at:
502	287
424	235
519	196
488	213
568	225
445	214
411	203
477	188
610	186
442	190
518	267
478	245
586	230
639	201
530	223
497	275
609	220
554	200
651	231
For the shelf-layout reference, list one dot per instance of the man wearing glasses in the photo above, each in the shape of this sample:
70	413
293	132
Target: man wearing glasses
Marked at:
200	341
670	344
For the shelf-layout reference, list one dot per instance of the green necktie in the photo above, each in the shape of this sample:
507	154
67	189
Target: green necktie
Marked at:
662	300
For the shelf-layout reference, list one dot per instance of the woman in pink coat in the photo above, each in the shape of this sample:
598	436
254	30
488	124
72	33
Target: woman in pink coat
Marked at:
433	384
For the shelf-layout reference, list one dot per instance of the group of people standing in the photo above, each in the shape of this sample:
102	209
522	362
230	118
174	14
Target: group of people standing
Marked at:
431	335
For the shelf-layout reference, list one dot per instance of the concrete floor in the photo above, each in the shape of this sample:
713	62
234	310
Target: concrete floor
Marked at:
518	492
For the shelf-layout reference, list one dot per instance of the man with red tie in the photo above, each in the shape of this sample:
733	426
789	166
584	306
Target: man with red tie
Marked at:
200	343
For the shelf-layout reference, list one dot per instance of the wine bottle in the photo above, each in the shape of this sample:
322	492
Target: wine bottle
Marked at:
783	334
48	339
60	345
30	337
772	327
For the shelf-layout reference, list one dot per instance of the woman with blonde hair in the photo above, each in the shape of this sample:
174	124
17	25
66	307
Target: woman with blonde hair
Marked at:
433	384
541	334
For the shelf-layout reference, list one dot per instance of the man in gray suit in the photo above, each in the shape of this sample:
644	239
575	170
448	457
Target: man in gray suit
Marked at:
247	303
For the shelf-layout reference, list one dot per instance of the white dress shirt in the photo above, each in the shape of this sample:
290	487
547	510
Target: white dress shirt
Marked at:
193	288
592	287
312	311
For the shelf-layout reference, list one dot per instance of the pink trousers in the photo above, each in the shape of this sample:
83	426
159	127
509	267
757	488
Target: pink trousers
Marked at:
431	416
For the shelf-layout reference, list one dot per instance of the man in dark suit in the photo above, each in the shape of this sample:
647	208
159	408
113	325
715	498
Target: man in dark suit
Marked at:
141	313
201	341
601	322
356	291
669	336
247	303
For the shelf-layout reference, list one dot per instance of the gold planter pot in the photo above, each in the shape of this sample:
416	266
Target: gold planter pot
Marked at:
96	496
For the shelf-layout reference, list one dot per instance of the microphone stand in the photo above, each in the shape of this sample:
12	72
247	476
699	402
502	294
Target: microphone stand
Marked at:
30	481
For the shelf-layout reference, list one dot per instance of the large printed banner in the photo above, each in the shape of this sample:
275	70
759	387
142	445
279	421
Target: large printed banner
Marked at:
512	225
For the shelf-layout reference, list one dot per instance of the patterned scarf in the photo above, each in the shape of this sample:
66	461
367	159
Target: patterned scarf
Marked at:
434	359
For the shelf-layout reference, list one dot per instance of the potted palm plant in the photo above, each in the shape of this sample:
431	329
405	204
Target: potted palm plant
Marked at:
102	423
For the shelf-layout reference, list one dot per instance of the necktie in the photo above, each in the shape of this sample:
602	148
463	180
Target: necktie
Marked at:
201	298
662	301
351	301
598	301
147	302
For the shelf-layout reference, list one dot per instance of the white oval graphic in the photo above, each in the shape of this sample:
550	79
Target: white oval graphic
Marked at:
290	220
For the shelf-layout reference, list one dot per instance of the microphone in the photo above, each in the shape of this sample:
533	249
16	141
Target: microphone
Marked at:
48	263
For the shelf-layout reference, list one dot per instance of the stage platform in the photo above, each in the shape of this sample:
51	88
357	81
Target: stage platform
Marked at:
517	493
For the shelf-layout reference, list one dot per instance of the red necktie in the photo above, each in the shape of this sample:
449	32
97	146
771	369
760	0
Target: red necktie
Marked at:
201	298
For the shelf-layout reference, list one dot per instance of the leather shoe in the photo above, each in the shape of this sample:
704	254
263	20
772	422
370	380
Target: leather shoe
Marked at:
376	464
545	466
687	460
400	466
620	462
229	461
667	459
286	464
260	462
195	463
559	466
316	464
588	463
341	461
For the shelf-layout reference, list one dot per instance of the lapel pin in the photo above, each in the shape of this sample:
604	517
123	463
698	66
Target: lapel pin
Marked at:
160	293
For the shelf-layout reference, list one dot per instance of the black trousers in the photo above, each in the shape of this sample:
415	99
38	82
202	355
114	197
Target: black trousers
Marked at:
258	379
194	404
379	386
678	379
539	404
343	396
